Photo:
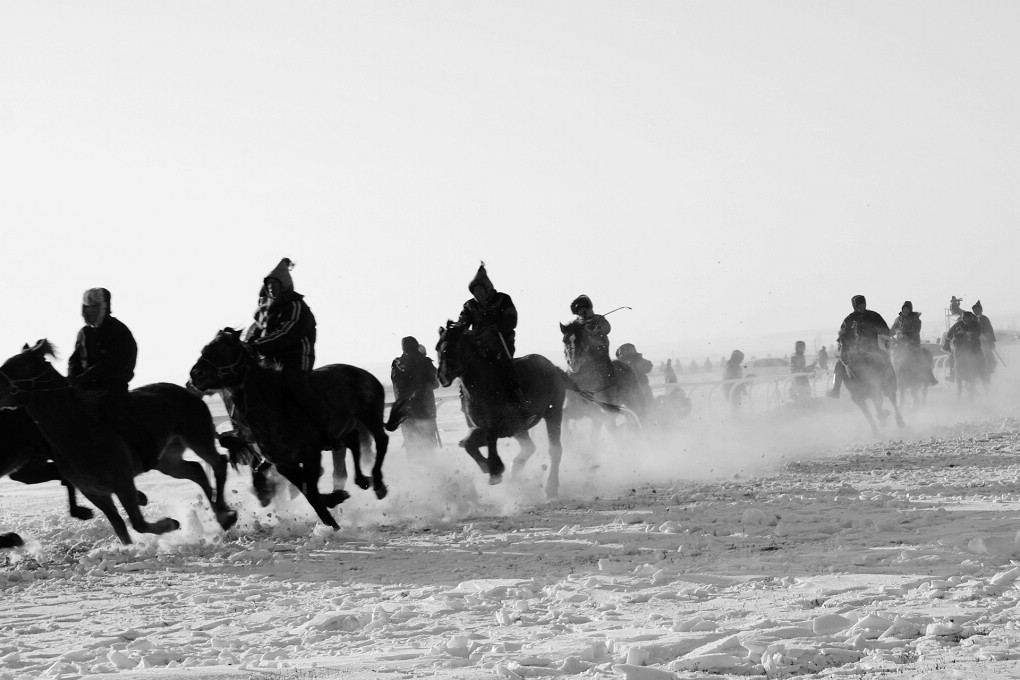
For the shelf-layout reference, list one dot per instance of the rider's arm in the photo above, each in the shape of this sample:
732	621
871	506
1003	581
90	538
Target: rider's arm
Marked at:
292	325
508	314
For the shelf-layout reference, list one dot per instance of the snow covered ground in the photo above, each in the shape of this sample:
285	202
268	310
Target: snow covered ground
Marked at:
787	544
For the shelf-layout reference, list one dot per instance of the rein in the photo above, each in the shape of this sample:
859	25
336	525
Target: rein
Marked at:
229	369
31	383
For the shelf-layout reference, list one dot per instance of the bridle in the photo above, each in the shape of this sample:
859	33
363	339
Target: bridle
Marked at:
31	382
231	369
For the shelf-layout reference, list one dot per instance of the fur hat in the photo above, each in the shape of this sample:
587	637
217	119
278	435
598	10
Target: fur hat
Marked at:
627	349
409	344
977	307
282	274
99	300
579	302
481	279
857	299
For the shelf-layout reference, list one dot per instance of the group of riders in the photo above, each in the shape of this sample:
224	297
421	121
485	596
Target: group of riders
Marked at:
864	332
283	333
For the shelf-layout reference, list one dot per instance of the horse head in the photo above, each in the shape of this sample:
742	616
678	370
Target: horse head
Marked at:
223	362
29	371
575	347
451	349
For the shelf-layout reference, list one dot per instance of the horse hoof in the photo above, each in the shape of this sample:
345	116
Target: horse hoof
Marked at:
82	513
381	491
226	518
495	479
10	540
142	499
164	525
362	483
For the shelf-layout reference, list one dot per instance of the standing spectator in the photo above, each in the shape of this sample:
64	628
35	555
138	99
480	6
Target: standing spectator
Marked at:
670	373
823	359
987	337
734	370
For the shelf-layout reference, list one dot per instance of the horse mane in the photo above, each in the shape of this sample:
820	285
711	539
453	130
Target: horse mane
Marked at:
44	346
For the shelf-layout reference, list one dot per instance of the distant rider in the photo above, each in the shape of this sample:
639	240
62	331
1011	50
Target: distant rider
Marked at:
628	354
859	333
907	325
987	337
596	331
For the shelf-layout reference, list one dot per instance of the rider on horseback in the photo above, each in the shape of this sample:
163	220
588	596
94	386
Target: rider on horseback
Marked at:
628	354
104	361
490	317
987	337
596	330
284	334
907	325
859	333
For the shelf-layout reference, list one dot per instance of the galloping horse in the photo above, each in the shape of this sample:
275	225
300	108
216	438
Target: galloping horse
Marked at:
912	367
492	414
611	382
283	434
970	365
870	377
93	457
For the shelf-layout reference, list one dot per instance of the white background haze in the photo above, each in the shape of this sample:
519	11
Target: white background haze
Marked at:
724	168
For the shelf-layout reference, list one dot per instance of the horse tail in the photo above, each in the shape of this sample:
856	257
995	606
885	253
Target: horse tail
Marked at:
239	452
399	412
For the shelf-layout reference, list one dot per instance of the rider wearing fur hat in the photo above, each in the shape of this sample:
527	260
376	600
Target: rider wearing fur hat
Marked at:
284	335
105	350
987	336
595	326
284	328
491	318
860	332
907	324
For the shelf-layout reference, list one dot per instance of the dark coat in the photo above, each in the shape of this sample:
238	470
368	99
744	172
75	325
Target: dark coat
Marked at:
987	332
104	357
414	374
284	333
909	325
498	314
860	331
965	333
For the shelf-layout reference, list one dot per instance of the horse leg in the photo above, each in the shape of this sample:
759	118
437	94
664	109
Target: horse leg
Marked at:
106	505
263	483
553	426
496	467
382	444
528	448
205	448
39	472
471	443
353	441
10	540
77	511
340	473
172	464
127	494
305	476
863	405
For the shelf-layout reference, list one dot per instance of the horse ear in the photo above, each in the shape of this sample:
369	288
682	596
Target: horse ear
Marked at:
25	348
563	329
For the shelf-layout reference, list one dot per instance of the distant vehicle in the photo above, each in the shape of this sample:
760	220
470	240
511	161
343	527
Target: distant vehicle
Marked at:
767	368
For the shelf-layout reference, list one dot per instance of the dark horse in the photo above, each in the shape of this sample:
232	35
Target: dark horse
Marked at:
491	414
268	418
969	362
93	457
870	376
913	369
609	382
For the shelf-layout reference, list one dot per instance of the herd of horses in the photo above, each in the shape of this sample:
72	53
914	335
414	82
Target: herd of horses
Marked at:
50	431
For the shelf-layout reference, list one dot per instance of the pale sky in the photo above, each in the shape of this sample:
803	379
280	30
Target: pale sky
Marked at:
723	168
